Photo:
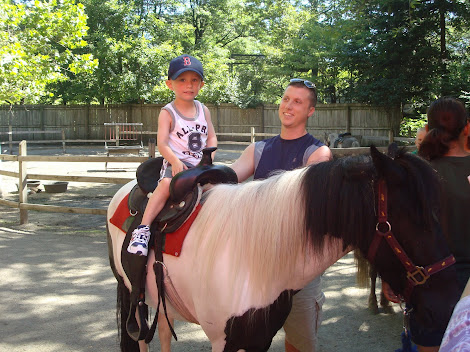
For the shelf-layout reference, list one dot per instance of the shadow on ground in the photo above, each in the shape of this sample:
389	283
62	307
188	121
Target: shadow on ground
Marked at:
58	292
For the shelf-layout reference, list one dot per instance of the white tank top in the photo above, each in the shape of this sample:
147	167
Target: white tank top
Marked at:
188	135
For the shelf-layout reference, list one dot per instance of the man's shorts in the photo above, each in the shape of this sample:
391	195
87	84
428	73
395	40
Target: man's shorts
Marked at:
305	317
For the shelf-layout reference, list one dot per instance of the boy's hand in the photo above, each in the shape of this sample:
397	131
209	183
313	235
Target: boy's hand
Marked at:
177	168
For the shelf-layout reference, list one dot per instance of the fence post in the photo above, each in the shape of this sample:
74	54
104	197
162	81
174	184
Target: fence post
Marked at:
390	136
253	136
152	143
117	135
63	140
10	138
23	182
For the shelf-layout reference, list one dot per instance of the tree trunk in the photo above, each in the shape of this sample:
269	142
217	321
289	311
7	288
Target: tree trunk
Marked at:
443	63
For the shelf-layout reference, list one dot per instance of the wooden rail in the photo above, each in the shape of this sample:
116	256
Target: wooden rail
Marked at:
23	177
252	137
10	134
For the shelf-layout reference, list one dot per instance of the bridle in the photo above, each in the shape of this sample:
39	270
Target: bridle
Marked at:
417	275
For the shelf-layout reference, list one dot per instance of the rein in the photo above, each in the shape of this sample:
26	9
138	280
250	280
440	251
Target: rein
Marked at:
416	275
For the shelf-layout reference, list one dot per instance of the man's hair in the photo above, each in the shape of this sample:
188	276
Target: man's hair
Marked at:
313	91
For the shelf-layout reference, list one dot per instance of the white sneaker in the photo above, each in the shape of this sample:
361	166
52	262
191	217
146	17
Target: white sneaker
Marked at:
139	240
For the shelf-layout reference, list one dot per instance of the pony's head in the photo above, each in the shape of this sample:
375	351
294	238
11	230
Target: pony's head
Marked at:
342	201
414	215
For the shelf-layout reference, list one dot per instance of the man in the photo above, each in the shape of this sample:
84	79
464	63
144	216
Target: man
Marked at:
292	148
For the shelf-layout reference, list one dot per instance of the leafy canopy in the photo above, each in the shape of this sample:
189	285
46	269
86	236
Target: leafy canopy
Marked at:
37	43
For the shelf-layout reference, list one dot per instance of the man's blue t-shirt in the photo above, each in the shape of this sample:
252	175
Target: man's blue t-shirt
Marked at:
283	154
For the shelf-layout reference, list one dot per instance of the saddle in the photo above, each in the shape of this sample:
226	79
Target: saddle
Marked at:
341	138
184	188
185	194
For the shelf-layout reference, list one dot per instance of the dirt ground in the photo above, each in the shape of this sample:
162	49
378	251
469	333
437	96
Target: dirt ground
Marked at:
58	293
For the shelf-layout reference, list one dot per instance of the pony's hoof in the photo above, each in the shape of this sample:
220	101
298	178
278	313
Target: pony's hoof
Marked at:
388	309
372	304
374	309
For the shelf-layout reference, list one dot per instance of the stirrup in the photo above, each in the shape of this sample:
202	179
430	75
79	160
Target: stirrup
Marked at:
135	331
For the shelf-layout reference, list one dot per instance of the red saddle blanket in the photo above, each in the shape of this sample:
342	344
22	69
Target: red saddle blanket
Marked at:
173	241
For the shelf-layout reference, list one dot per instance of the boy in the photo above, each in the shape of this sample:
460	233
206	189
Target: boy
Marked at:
184	130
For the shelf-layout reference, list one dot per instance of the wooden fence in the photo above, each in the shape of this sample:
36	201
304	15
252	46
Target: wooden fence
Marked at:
22	175
86	122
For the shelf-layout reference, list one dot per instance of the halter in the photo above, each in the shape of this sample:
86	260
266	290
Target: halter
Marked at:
417	275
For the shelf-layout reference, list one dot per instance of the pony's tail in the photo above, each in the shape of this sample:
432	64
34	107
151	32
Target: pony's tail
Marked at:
122	312
363	269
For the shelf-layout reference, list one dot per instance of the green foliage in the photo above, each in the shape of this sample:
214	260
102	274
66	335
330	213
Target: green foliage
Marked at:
396	54
382	52
409	126
38	45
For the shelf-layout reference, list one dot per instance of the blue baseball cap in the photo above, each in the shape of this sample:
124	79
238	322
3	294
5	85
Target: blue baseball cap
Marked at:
184	63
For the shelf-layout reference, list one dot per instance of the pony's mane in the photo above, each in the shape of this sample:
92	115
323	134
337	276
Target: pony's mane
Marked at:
258	225
262	227
340	196
424	187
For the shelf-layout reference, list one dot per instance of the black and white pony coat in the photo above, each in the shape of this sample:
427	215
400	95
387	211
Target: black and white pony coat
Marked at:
254	244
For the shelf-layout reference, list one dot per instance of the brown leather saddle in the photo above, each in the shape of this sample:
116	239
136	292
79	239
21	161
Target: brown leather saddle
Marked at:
184	191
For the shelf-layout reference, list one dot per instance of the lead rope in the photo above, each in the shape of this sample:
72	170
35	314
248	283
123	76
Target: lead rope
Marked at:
406	343
406	318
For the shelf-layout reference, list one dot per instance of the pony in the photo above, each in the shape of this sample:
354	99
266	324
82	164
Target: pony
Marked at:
343	140
254	245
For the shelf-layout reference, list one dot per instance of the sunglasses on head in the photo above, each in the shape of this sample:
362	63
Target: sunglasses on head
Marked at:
307	84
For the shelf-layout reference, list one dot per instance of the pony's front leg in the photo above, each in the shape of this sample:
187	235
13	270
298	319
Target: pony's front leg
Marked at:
164	333
218	346
143	347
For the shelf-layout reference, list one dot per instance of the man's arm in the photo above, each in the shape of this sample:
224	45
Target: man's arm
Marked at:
244	166
211	135
321	154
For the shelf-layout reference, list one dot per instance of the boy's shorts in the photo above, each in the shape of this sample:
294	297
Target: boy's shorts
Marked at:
165	171
301	326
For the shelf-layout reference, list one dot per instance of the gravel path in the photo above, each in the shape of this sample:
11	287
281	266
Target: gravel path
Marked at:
58	293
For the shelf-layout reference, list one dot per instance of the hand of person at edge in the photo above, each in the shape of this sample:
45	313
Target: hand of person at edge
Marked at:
389	294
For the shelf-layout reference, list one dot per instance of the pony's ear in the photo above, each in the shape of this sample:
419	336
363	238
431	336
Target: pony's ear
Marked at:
392	150
386	167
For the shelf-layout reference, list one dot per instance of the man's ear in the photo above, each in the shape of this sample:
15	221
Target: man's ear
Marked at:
202	84
311	111
426	127
169	84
